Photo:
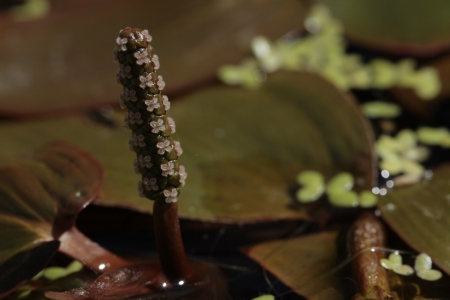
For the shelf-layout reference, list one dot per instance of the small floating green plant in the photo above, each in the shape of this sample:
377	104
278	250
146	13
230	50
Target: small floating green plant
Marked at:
422	266
339	190
323	51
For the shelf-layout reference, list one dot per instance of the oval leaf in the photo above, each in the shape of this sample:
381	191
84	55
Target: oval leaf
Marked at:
242	149
61	63
420	214
40	197
413	27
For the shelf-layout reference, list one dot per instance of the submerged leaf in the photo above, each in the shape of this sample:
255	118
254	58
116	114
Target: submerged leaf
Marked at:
242	149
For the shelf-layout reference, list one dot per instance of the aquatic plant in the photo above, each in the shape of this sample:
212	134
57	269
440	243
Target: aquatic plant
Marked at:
156	151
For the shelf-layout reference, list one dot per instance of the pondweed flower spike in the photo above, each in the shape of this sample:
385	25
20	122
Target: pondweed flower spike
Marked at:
156	152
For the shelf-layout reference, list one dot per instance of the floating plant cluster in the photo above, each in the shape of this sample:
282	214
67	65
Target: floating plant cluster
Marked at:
422	266
323	51
157	152
338	189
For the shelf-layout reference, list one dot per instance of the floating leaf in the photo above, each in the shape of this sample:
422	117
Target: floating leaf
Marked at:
407	27
70	64
308	277
40	197
242	149
420	214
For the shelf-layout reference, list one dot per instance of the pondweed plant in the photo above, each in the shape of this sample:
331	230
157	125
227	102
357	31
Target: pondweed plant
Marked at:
156	151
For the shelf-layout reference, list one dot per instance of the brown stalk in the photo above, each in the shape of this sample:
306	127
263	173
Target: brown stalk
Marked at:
366	237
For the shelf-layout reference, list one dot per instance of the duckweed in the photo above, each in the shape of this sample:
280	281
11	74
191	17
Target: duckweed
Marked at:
343	198
313	186
394	263
423	265
367	199
341	182
433	136
308	194
323	51
380	109
401	154
310	178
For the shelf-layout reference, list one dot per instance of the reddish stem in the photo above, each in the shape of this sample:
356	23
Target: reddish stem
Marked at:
367	234
172	257
91	254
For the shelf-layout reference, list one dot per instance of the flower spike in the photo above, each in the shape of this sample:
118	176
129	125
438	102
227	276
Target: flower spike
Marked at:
156	152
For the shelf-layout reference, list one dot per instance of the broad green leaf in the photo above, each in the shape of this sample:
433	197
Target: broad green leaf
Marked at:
420	214
305	264
242	149
411	27
64	60
40	197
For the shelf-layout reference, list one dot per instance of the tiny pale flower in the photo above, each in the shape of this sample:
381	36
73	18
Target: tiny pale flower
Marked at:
122	43
146	35
150	184
137	140
163	146
141	57
145	161
171	124
158	126
122	103
177	148
135	118
152	104
171	195
160	83
146	80
166	102
183	175
128	95
125	72
168	169
155	61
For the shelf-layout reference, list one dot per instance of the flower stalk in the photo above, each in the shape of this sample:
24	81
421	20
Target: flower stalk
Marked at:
156	152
